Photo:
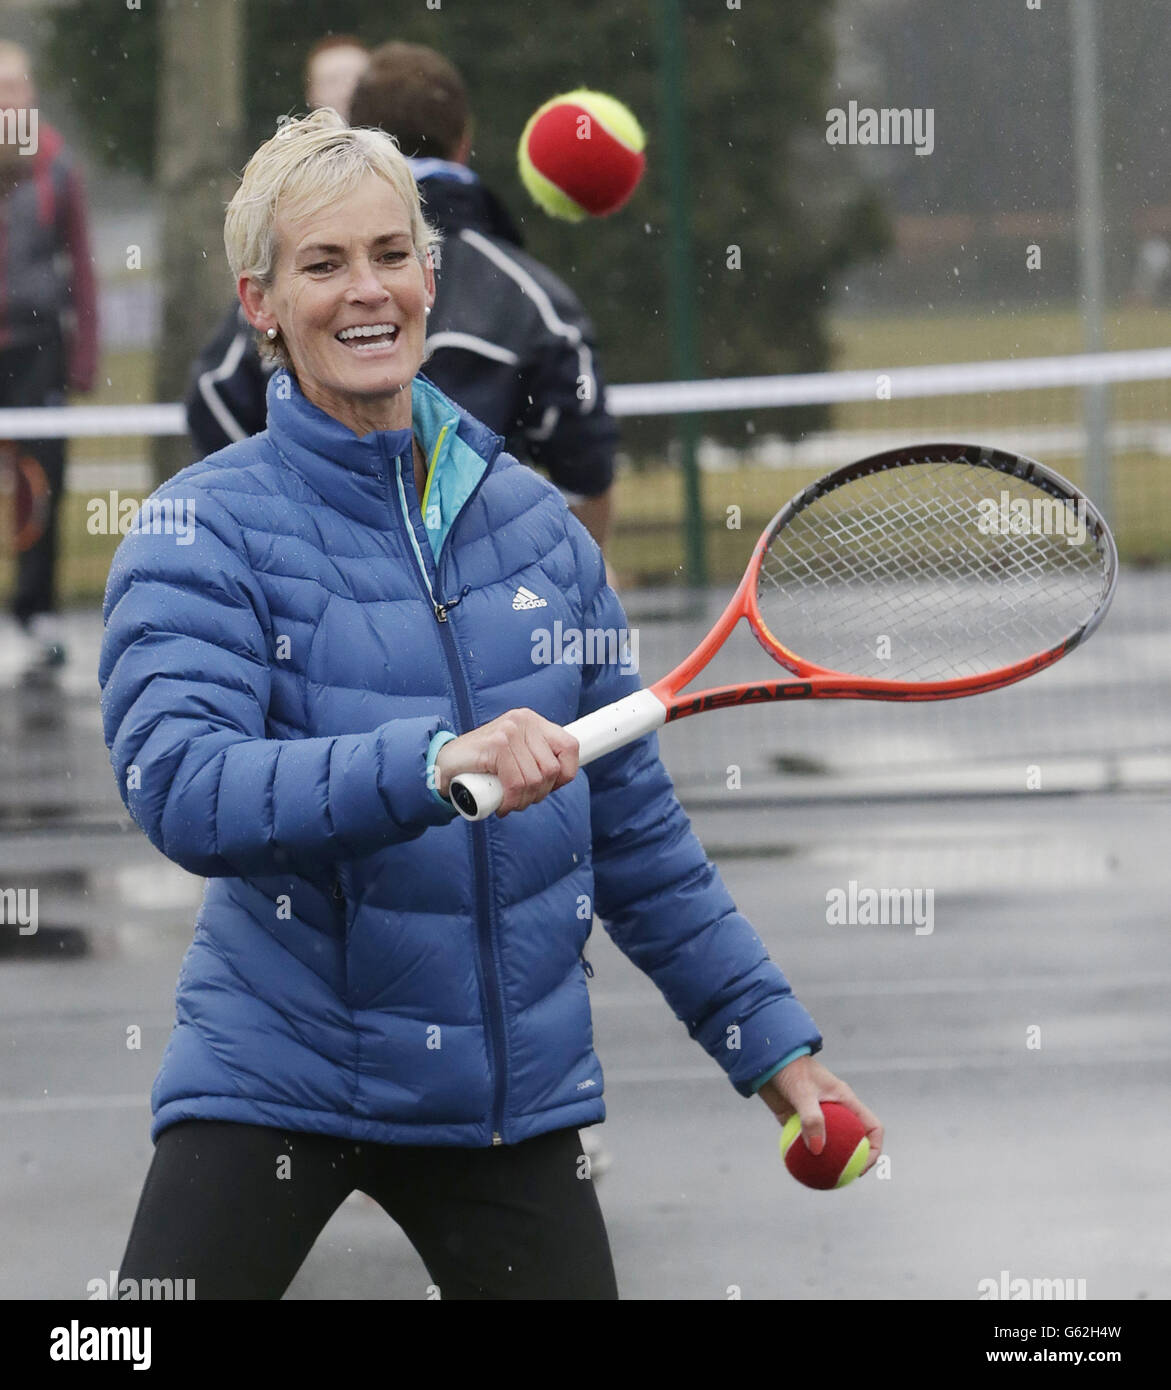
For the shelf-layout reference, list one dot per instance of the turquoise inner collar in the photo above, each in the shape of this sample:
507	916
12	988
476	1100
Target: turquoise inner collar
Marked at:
454	469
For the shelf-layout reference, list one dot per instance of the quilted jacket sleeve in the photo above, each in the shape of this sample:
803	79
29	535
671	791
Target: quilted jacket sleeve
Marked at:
659	897
186	678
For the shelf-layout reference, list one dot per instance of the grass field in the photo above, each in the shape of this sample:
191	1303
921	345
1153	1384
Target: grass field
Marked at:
647	546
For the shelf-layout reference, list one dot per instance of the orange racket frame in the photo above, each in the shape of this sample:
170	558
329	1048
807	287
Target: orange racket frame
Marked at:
477	795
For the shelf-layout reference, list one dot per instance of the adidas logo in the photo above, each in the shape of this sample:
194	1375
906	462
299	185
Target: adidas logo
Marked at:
525	598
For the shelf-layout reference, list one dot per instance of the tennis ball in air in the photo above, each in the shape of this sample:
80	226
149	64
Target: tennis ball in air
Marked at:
844	1156
581	155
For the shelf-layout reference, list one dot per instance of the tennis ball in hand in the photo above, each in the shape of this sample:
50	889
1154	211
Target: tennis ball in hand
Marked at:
581	155
844	1156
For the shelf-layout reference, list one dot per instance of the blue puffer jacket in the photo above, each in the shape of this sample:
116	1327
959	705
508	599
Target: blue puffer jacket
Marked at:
365	963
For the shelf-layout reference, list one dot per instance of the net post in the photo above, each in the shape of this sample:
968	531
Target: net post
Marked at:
672	69
1091	252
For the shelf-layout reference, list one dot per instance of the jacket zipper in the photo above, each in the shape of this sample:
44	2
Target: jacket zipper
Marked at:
484	914
338	893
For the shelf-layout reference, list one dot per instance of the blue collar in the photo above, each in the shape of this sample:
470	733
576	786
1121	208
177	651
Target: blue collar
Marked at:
442	169
299	427
343	466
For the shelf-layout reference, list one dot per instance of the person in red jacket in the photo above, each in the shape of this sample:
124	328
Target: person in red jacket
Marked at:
48	335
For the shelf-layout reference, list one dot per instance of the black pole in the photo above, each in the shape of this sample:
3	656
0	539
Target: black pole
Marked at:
681	276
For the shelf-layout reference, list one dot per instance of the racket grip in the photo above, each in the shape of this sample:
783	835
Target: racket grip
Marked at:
476	795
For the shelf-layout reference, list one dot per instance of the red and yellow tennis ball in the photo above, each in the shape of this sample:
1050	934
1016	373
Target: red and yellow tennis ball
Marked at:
844	1156
581	155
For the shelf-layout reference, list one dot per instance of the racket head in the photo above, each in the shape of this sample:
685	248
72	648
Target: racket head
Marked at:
930	571
24	498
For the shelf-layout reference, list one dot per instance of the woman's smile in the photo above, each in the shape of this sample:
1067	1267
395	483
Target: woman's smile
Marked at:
371	339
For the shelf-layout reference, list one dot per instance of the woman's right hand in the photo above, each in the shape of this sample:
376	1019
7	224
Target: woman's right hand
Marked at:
529	754
799	1089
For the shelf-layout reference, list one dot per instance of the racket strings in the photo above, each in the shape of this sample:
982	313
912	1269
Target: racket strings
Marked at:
928	572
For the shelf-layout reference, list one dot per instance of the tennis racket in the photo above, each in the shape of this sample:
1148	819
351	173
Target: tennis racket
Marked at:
925	573
24	498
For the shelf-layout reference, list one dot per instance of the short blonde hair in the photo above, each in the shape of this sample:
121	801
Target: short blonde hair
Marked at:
310	162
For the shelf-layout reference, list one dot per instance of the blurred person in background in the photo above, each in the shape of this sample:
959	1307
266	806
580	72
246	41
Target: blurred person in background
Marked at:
508	339
1152	271
226	392
332	71
48	338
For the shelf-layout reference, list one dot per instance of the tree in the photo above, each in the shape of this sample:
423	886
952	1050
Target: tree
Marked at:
197	145
778	213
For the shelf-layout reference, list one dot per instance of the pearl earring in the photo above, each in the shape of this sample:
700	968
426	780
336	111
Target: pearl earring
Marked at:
427	311
271	334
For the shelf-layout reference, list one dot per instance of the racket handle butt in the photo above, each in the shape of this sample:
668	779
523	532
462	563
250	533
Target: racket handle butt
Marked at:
475	795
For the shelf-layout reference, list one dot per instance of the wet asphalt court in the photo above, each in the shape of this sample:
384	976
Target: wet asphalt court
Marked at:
1018	1052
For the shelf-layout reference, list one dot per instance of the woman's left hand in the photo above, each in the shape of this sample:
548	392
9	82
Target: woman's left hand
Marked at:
799	1089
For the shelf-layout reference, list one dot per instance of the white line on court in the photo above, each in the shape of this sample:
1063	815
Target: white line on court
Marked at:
41	1105
1050	1059
866	988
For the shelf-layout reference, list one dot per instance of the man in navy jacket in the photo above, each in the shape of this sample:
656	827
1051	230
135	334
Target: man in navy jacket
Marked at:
508	340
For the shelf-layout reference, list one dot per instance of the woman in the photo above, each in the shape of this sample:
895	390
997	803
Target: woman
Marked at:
379	996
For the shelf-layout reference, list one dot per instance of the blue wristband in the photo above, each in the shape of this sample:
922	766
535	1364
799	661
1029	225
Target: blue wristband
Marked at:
804	1051
442	737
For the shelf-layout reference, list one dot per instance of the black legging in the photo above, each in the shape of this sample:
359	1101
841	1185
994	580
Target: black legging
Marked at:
236	1208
